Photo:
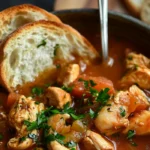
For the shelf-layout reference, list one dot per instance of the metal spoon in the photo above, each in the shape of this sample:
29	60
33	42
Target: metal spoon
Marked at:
103	13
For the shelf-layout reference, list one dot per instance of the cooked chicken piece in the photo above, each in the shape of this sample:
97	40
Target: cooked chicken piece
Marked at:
138	100
94	141
57	97
16	143
136	59
114	118
23	109
140	123
54	145
110	120
68	74
138	71
139	75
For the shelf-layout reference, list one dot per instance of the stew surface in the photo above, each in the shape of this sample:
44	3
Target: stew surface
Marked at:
83	117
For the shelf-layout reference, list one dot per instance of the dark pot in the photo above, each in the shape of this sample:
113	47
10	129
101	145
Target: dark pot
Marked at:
86	21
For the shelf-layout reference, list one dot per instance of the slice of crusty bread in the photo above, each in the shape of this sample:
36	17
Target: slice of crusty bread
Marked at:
134	6
35	47
16	16
145	11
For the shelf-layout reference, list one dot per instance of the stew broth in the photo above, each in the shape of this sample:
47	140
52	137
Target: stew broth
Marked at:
117	47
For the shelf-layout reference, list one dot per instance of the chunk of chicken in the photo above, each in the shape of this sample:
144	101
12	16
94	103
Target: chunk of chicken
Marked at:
68	74
138	71
57	97
140	123
136	59
114	118
110	120
94	141
23	109
139	75
138	100
54	145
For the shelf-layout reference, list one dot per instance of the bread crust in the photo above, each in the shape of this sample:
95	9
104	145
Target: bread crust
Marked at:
134	9
7	15
25	29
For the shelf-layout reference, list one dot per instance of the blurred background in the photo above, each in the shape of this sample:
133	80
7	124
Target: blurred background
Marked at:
51	5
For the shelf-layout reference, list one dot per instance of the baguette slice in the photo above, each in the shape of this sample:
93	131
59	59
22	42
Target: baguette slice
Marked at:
145	11
16	16
134	6
35	47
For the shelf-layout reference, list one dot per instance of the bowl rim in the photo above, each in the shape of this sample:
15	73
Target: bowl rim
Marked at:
111	14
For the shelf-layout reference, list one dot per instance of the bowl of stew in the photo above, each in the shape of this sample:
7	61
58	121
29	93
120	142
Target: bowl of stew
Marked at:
104	107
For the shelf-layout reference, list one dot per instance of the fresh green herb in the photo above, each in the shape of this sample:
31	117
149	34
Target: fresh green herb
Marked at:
130	134
22	139
52	137
94	92
77	117
92	113
37	103
58	66
67	89
103	96
136	67
37	91
72	149
70	144
86	83
43	43
32	136
56	47
122	112
31	125
130	57
92	83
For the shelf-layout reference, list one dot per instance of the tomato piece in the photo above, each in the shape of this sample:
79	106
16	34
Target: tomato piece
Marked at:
12	97
79	87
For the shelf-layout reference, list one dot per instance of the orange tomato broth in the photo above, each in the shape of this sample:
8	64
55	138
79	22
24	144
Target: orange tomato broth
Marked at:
114	73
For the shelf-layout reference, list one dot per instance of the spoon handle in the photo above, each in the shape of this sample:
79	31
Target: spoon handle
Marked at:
103	13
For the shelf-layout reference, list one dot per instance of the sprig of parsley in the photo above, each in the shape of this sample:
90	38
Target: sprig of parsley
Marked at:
43	43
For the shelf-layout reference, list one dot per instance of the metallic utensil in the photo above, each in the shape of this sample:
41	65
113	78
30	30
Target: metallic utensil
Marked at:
103	13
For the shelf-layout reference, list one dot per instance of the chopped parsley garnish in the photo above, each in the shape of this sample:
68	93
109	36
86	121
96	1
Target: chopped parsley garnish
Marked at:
31	125
22	139
77	117
92	83
122	112
55	137
103	96
136	67
37	91
37	103
67	89
86	83
56	47
92	113
70	144
130	134
43	43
